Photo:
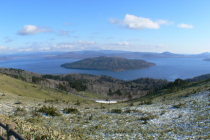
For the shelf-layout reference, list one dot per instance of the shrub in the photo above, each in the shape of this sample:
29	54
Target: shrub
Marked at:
146	118
18	102
116	111
70	110
163	112
35	113
91	117
77	103
20	111
131	104
128	111
103	107
149	102
50	111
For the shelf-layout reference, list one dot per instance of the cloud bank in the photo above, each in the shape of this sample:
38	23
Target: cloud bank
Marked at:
2	48
139	23
31	29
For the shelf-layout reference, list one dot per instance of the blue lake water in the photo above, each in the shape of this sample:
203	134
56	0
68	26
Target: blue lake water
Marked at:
166	68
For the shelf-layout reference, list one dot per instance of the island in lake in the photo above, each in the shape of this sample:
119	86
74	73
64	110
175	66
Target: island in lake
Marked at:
109	63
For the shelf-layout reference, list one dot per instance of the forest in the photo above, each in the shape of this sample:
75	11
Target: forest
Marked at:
102	85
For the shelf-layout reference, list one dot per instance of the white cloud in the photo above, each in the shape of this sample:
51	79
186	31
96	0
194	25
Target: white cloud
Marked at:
83	42
135	22
89	45
62	46
25	50
45	49
86	45
139	23
160	21
31	29
2	48
183	25
123	43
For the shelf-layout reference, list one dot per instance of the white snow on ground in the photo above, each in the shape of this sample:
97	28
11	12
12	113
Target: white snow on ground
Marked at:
189	121
106	102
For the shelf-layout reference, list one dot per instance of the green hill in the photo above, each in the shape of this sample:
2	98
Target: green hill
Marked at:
12	86
109	63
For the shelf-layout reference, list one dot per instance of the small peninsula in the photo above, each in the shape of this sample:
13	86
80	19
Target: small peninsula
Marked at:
108	63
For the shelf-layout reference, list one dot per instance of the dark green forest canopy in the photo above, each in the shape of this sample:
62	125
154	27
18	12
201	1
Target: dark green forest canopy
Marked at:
109	63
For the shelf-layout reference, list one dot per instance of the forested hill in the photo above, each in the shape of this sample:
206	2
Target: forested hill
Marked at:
101	85
109	63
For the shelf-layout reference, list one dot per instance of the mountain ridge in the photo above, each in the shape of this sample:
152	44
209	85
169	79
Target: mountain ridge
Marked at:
125	54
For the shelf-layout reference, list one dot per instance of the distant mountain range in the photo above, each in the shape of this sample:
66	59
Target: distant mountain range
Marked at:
126	54
109	63
98	53
25	55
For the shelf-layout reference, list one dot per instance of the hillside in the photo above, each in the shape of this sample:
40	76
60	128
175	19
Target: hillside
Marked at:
92	86
179	111
109	63
9	86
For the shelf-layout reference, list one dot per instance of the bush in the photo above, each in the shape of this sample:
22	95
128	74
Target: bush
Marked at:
146	118
148	102
116	111
70	110
128	111
77	103
20	112
50	111
131	104
35	113
91	117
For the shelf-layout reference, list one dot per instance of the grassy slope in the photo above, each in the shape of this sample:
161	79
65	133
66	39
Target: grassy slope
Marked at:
92	95
17	87
191	88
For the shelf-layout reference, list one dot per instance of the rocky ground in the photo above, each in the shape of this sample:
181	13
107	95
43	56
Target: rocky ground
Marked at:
175	117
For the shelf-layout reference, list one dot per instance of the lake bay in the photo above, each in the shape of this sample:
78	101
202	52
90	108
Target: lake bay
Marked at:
166	68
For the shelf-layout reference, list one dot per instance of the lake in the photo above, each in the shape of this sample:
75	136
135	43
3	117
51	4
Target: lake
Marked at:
166	68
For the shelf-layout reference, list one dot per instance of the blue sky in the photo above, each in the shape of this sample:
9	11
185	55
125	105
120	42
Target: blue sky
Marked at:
178	26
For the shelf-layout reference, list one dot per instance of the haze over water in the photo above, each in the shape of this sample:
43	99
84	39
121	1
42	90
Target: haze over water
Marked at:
166	68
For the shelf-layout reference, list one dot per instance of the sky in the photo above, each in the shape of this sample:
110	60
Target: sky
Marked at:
177	26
